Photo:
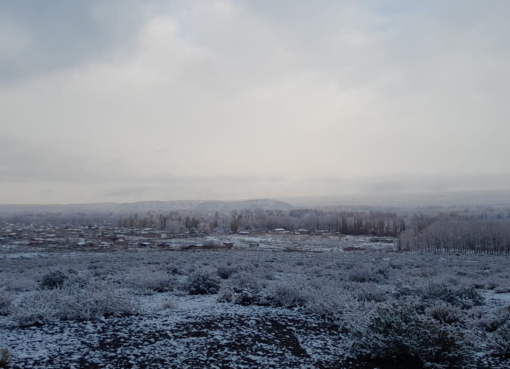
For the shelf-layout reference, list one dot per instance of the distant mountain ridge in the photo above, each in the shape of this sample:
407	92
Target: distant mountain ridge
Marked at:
405	200
146	206
408	200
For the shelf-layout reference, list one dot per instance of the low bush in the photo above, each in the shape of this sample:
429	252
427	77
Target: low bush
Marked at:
5	358
248	281
371	292
502	289
464	297
500	342
226	295
398	336
363	275
95	300
36	309
445	314
169	305
202	284
245	289
157	283
5	302
288	294
493	321
491	285
173	270
329	300
20	284
226	272
52	280
147	282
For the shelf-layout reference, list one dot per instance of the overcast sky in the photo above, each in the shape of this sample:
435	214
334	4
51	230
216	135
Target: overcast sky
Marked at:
127	100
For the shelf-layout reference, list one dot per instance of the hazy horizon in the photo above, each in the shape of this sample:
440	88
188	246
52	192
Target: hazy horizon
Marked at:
124	101
401	200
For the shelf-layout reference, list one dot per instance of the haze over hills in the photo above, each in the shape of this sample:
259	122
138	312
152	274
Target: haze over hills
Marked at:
146	206
226	206
406	200
424	199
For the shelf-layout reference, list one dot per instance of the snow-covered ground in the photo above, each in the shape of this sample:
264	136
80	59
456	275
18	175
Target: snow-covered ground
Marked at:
198	333
298	309
292	242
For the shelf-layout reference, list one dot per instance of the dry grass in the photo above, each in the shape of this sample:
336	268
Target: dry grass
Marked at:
169	305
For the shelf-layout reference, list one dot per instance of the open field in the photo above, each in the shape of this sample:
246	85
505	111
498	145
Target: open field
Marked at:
294	302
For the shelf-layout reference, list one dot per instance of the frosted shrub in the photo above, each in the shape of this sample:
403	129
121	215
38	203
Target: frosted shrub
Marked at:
363	275
156	282
469	296
398	336
53	280
501	340
288	294
169	305
492	321
333	302
464	297
202	284
36	308
73	302
445	314
248	297
502	289
244	289
20	284
226	295
371	292
5	302
148	282
247	281
94	301
173	270
161	284
491	285
226	272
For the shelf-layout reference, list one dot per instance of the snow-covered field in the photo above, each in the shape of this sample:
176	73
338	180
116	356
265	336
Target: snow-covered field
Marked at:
313	306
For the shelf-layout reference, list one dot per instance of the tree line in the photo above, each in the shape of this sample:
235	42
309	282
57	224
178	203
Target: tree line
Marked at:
457	236
346	222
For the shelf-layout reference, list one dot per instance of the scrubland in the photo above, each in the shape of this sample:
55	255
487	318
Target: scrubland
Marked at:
252	308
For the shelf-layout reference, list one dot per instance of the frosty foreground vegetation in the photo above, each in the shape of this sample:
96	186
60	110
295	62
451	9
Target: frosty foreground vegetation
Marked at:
376	308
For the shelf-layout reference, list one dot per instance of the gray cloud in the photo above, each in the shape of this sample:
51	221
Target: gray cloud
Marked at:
45	37
165	99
